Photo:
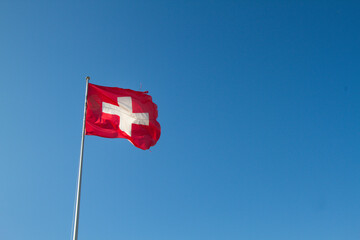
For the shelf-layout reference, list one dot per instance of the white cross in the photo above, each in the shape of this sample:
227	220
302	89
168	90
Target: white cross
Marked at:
125	112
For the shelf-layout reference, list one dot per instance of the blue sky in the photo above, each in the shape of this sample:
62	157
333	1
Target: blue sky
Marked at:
258	103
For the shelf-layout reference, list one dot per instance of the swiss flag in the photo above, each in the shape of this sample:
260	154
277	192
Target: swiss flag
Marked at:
122	113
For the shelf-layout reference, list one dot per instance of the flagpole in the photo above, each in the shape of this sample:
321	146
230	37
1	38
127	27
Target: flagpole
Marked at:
77	207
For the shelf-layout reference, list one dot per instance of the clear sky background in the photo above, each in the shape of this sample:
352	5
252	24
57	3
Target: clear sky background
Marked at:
259	104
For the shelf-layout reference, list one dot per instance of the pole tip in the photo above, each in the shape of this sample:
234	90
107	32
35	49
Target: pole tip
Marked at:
88	78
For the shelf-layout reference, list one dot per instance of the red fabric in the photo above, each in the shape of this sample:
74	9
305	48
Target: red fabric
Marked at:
107	125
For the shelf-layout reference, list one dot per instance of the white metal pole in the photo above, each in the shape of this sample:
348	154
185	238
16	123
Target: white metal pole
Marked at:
77	207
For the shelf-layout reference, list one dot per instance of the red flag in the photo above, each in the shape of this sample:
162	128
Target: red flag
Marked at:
122	113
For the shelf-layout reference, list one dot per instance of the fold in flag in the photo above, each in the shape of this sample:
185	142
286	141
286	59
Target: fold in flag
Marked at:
122	113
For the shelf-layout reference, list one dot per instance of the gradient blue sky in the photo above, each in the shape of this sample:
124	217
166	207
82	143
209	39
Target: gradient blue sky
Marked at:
259	103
